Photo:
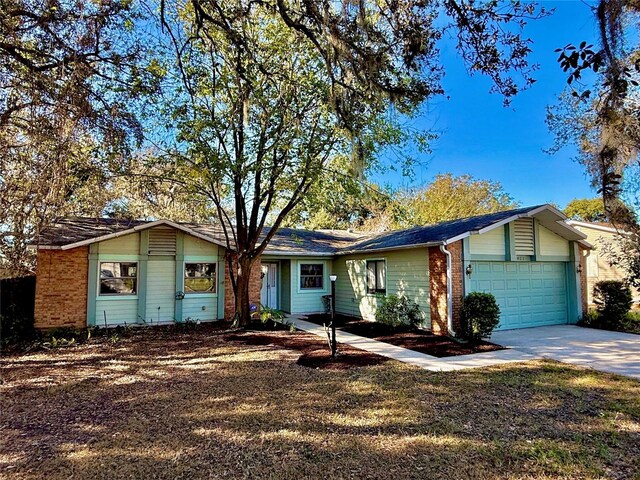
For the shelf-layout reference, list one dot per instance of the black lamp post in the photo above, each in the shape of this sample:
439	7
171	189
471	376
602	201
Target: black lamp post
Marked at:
333	314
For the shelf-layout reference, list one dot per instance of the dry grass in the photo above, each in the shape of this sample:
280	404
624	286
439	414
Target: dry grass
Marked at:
196	406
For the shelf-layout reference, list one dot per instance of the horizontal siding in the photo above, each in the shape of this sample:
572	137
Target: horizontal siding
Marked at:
192	307
552	244
407	274
308	301
489	243
161	290
195	247
118	311
125	245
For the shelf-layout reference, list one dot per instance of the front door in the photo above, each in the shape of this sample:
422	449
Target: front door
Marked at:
269	292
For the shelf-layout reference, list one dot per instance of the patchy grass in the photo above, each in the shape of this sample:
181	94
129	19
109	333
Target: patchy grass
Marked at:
207	404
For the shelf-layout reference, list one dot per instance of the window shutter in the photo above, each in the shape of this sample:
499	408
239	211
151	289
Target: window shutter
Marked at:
162	241
523	233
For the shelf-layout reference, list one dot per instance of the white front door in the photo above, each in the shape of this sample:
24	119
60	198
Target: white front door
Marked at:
269	292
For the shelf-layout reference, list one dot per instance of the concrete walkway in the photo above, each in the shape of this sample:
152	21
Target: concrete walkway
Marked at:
612	352
418	359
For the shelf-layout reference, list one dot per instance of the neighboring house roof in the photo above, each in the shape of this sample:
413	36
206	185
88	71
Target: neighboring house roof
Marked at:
600	226
73	232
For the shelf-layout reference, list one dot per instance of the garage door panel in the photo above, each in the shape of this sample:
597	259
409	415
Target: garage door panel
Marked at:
530	294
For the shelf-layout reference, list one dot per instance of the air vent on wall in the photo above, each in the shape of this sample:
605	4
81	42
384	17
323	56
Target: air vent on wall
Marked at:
523	234
162	241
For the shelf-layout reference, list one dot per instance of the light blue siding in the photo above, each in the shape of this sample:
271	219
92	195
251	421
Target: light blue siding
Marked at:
118	311
200	306
530	294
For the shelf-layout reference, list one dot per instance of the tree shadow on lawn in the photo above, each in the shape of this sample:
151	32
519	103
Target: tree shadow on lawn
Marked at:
217	407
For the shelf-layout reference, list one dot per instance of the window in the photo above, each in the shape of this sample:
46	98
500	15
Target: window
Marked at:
311	276
118	278
592	265
376	276
200	278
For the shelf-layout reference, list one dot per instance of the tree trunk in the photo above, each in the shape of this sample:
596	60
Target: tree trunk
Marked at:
243	278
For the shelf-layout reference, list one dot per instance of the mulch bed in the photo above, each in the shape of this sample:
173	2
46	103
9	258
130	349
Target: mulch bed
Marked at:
411	338
315	352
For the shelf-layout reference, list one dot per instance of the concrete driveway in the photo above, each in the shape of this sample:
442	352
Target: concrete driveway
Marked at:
599	349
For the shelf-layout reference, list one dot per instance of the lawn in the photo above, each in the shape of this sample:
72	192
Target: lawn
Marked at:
209	404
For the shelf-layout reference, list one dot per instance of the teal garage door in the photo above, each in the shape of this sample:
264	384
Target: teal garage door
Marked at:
530	294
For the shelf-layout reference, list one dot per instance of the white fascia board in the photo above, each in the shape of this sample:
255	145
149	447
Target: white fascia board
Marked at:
593	226
137	229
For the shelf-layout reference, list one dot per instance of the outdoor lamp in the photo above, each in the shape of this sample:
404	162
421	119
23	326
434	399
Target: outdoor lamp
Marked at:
469	270
333	277
579	268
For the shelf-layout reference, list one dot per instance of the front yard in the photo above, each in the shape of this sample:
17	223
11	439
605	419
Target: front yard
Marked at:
209	404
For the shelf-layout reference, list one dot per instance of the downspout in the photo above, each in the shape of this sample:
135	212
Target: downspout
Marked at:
444	250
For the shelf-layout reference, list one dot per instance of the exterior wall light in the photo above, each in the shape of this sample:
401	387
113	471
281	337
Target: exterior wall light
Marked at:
579	268
333	277
469	270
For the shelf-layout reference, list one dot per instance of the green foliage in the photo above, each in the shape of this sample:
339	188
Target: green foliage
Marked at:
631	322
398	311
586	210
480	314
590	319
451	198
268	315
613	301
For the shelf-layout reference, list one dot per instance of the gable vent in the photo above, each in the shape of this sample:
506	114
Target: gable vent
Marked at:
162	241
523	233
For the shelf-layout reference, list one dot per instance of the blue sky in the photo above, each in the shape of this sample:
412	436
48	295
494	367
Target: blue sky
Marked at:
481	137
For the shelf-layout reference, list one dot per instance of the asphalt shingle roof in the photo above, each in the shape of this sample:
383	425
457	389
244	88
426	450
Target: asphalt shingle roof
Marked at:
433	234
290	241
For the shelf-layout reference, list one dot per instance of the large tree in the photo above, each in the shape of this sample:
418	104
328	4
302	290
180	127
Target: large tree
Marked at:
68	74
266	95
586	210
600	114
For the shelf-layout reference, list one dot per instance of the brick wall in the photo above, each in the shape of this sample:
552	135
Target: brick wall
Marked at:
438	287
457	284
255	286
61	288
584	287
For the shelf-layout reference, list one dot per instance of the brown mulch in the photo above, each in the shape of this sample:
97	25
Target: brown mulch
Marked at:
410	338
314	351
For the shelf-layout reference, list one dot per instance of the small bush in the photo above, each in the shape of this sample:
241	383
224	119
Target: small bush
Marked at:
397	311
613	301
480	314
268	314
590	319
631	322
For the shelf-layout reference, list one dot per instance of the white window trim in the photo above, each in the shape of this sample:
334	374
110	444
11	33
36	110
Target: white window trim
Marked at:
325	271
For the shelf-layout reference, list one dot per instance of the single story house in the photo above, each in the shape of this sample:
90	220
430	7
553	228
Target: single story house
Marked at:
605	238
96	271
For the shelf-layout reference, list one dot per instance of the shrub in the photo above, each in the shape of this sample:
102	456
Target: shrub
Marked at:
15	327
613	301
590	319
268	314
397	311
479	315
632	322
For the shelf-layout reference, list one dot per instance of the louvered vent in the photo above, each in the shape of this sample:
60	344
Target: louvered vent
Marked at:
523	233
162	241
